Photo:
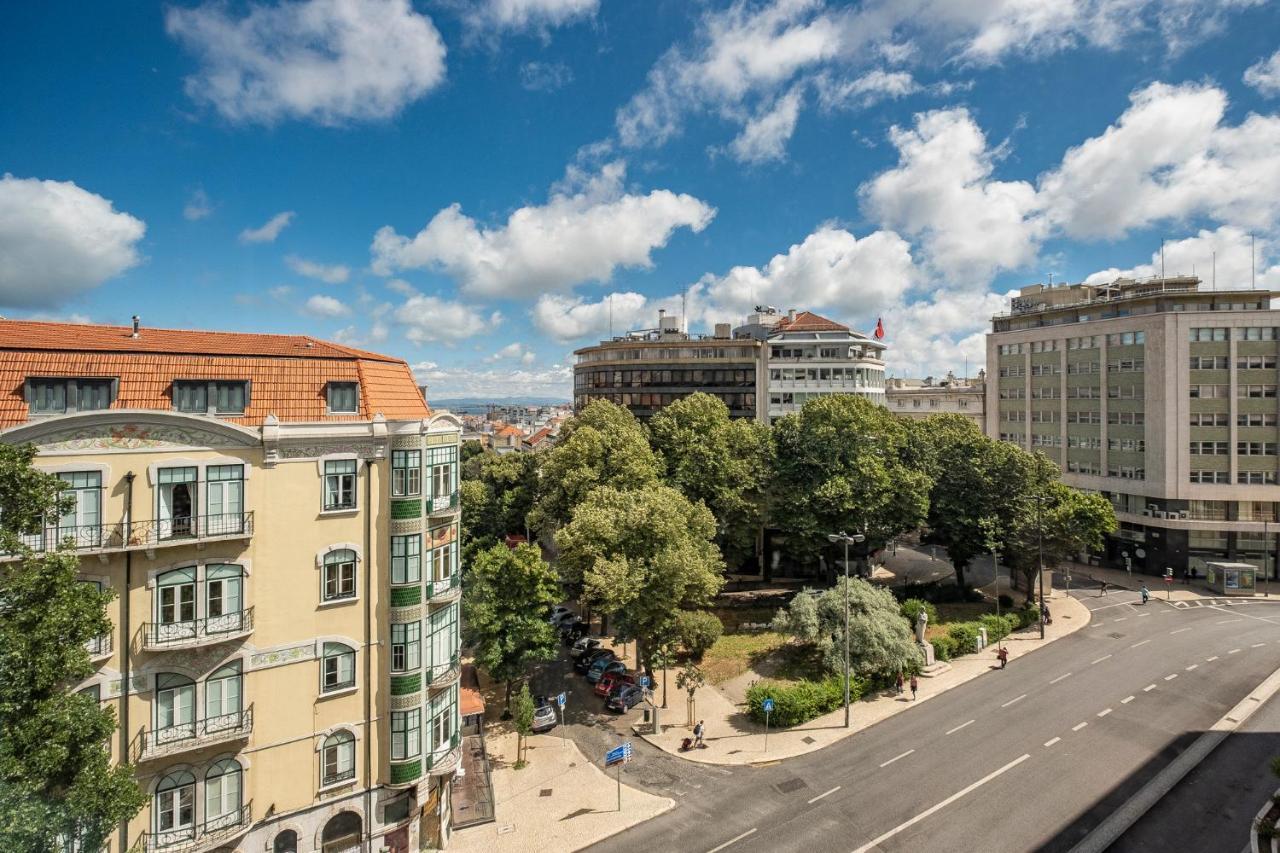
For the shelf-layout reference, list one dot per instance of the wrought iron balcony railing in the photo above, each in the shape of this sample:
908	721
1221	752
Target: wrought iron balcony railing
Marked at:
100	646
158	636
198	836
181	737
327	779
141	534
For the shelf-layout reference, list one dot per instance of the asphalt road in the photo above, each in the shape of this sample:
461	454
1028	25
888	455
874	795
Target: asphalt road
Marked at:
1031	758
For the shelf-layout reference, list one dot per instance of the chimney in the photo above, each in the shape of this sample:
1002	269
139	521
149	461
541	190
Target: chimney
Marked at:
722	330
136	321
791	315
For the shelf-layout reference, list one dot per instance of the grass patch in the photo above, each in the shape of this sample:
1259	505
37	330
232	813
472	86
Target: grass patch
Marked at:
957	611
734	654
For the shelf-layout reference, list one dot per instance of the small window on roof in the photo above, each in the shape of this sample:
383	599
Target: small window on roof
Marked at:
60	395
227	396
342	397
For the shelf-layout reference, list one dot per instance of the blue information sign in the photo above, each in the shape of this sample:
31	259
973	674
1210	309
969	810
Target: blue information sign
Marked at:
644	682
618	755
560	700
768	706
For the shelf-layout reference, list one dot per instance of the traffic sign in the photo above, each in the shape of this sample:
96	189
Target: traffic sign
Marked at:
644	682
618	755
560	700
768	706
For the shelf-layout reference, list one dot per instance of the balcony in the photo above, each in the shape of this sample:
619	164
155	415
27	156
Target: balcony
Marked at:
445	590
443	503
204	836
100	648
441	762
184	737
161	636
142	535
442	674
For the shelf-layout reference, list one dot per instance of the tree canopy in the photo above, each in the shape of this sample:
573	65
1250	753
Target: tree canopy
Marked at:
56	778
641	555
498	491
506	596
721	461
880	642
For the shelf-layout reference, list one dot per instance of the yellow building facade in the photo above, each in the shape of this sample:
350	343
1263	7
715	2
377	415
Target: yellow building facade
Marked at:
279	519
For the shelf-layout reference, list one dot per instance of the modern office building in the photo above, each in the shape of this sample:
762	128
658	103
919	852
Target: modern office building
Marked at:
920	398
764	369
1160	395
278	516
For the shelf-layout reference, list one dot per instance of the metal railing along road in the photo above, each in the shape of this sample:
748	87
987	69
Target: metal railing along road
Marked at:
208	629
154	743
140	534
198	836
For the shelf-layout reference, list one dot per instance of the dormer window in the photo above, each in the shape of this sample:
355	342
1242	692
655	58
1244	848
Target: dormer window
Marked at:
343	398
211	396
65	395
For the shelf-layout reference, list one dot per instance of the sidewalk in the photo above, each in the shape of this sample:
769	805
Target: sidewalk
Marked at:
732	738
560	801
1194	591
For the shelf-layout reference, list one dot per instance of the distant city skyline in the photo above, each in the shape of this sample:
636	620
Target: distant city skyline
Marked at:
480	188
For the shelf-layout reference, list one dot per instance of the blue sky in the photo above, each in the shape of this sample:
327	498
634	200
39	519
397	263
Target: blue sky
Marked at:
472	185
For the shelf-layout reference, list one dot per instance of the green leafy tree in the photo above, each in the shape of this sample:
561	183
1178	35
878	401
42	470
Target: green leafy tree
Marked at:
641	555
506	596
974	479
523	720
843	463
697	631
1054	519
723	462
690	679
880	643
604	445
56	778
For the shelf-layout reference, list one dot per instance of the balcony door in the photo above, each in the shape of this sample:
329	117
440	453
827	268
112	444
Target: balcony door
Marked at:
222	792
224	498
176	605
178	500
222	692
175	808
224	599
82	523
175	708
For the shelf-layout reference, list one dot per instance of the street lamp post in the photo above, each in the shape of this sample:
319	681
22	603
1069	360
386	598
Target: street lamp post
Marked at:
846	539
995	569
1040	499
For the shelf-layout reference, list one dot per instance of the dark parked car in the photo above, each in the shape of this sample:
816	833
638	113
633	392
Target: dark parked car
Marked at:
584	662
624	698
544	715
603	665
584	645
573	631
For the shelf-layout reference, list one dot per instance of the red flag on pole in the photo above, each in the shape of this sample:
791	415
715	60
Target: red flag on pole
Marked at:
879	329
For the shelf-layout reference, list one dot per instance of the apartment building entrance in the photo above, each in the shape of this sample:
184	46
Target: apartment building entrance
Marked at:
342	834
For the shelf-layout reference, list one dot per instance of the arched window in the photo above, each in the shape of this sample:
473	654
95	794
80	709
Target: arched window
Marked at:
338	758
337	667
175	708
339	575
342	833
285	842
222	692
222	794
175	808
176	604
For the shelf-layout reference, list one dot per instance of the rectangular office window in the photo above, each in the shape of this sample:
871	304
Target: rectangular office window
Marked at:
340	484
343	397
1256	362
1255	448
1256	333
1256	419
1211	477
1255	391
406	472
1206	334
1256	478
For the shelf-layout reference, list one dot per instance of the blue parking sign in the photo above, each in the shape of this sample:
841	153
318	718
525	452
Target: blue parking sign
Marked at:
560	700
768	706
644	682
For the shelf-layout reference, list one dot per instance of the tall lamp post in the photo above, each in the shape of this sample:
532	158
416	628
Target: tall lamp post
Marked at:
1040	501
846	539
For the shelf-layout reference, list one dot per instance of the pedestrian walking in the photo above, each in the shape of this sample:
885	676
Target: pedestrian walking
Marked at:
697	733
1102	590
915	685
900	682
1048	617
1145	593
1003	655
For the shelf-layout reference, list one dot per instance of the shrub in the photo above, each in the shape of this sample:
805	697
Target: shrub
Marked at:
1000	626
698	631
911	611
800	702
944	648
965	636
1029	615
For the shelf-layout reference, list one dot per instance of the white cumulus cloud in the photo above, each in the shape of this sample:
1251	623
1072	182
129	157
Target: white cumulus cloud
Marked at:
198	206
269	231
58	241
766	135
330	61
326	306
459	381
518	15
430	319
328	273
571	318
583	233
1226	258
1264	75
865	90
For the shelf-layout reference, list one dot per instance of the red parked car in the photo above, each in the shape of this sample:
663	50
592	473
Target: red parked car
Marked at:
610	680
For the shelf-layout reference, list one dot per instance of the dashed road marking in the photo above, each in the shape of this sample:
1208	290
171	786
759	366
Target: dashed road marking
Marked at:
1078	726
896	757
733	840
1179	631
1148	688
1011	701
1256	645
959	727
1142	643
1104	712
1126	700
1233	651
1060	677
1099	660
1171	676
825	794
1121	619
1193	666
1052	742
1226	621
1211	660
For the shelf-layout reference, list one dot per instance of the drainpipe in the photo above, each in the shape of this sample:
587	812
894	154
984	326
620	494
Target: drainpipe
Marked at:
124	641
368	652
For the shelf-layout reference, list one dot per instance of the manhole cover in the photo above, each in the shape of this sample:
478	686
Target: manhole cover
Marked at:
790	786
545	792
807	740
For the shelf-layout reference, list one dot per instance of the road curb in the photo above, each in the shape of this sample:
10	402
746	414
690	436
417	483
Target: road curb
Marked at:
1118	823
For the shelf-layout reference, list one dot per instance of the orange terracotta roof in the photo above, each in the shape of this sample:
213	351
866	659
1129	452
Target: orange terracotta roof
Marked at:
470	701
807	321
510	430
288	374
538	436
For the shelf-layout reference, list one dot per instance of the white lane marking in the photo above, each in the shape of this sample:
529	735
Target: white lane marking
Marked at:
1210	660
1226	621
1104	712
733	840
1052	742
1142	643
1126	700
1011	701
1193	666
1148	688
896	757
1099	660
1179	631
1140	615
1256	645
876	842
1060	677
1078	726
1121	619
1171	676
959	727
826	794
1233	651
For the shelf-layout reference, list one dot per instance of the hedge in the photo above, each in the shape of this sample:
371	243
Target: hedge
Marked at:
965	636
944	648
799	702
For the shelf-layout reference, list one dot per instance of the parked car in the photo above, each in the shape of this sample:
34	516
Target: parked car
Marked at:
583	663
570	632
557	613
583	645
610	680
624	698
544	715
604	665
564	618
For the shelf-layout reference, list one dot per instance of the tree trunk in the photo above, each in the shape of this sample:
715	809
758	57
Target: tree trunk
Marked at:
766	565
960	575
506	713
